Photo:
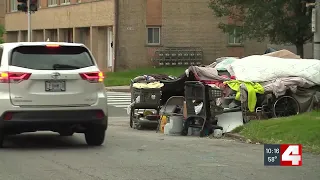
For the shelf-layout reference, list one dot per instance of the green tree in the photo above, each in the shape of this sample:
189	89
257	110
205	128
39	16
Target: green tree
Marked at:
2	31
278	21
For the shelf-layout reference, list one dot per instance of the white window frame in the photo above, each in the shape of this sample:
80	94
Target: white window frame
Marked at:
13	5
64	2
235	40
153	43
52	3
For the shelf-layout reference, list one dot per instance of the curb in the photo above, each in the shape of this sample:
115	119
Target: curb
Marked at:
235	136
241	138
117	90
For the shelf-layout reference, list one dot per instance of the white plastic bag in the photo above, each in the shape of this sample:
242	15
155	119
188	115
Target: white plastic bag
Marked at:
198	108
137	100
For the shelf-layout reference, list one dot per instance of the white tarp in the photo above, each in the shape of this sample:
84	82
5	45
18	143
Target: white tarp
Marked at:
259	68
225	63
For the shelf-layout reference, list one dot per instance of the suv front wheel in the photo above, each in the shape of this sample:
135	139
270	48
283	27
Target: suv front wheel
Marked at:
95	135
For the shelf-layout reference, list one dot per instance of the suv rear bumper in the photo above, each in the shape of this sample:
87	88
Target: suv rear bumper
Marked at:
24	121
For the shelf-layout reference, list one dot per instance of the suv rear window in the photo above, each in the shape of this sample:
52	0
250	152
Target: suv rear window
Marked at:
51	58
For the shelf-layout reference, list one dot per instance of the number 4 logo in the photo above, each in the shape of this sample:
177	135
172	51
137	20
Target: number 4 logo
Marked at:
291	154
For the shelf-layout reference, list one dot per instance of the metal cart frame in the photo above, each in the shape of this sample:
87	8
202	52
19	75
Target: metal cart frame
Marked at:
196	91
149	99
270	106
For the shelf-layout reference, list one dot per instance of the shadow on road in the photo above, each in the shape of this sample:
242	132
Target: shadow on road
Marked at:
44	141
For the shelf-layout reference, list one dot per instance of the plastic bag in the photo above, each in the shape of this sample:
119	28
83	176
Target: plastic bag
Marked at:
137	100
198	108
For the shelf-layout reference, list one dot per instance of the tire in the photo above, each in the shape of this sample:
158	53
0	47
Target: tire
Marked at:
278	102
131	123
95	136
201	133
184	132
1	139
139	126
131	118
185	129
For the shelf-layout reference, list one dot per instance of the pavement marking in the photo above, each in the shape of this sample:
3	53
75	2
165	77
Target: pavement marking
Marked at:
122	106
120	100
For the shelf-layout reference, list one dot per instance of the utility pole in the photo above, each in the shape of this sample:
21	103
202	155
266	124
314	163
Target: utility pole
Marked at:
315	27
29	21
28	6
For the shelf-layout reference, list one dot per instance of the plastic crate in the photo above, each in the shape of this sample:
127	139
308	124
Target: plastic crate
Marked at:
149	98
214	93
215	110
194	90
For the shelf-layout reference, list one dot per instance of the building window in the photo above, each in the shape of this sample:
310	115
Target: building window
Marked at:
65	2
235	37
52	3
154	35
13	5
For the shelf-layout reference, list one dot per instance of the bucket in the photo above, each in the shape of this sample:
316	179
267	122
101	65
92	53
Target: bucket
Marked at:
166	129
176	124
163	123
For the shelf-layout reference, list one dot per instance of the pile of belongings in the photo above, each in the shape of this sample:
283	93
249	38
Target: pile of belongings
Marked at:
211	75
147	85
153	77
275	72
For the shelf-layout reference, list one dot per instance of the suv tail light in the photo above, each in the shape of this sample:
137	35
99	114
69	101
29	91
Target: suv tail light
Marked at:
13	77
92	77
8	116
100	114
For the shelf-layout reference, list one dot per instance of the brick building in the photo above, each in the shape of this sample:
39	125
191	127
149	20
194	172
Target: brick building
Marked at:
135	28
2	12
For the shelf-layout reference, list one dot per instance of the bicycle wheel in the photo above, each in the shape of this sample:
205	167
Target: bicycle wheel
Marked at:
285	106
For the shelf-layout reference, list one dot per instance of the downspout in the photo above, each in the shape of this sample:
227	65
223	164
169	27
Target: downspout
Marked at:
116	38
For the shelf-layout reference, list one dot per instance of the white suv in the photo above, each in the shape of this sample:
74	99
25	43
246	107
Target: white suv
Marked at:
46	86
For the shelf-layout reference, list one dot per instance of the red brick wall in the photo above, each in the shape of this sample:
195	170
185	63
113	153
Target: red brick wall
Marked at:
154	12
235	51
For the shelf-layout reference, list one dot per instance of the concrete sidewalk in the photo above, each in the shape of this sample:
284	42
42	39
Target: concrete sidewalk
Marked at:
118	88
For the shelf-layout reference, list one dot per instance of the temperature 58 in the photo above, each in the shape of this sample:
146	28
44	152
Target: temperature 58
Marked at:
272	159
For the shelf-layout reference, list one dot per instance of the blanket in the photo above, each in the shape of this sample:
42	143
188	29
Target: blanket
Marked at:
258	68
280	86
206	73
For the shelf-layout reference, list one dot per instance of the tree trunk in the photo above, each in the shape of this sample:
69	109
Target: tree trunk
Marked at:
299	48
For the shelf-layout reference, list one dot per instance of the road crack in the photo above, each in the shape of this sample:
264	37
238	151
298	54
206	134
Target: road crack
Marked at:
72	168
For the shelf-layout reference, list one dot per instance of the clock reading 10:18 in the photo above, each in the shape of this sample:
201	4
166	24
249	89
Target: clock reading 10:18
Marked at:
272	150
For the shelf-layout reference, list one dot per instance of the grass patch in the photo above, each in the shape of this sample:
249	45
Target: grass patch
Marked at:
237	129
301	129
123	78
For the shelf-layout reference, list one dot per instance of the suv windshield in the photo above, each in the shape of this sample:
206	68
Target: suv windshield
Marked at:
51	58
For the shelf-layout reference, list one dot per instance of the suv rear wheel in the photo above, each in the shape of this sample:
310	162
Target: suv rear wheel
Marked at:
1	139
95	135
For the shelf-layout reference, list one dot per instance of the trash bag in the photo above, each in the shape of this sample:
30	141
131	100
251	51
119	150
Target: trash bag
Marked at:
269	50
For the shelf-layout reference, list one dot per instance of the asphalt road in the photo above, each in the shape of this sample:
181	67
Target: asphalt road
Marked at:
141	155
116	112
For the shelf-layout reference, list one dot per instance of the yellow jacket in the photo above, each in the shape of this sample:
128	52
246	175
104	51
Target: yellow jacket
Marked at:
252	88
